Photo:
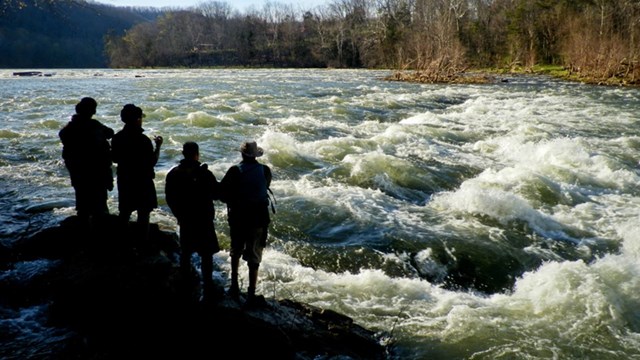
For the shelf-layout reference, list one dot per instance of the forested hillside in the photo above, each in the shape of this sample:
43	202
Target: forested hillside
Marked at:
597	40
61	33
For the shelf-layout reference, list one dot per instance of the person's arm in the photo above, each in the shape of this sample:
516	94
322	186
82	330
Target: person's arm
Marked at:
212	186
108	132
267	175
227	184
115	149
156	153
62	134
215	187
171	191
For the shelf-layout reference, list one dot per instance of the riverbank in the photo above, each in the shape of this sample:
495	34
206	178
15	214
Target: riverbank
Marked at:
105	299
494	75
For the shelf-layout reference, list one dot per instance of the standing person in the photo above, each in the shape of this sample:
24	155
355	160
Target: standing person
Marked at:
190	189
244	190
136	158
87	155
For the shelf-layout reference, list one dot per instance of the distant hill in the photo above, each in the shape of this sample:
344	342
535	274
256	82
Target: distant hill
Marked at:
62	33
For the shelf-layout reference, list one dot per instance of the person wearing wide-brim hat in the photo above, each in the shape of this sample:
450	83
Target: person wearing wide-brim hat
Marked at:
251	149
136	157
245	191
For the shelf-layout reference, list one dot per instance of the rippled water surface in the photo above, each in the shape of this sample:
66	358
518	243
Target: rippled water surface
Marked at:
464	221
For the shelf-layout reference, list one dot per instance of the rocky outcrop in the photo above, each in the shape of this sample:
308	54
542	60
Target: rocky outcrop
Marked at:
124	301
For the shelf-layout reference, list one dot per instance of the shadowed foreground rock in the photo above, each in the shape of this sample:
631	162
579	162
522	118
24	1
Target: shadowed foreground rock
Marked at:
121	303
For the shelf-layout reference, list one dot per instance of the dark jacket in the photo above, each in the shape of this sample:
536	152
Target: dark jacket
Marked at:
133	152
190	189
86	151
244	190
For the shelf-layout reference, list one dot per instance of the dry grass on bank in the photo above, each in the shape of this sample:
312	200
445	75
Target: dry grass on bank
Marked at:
428	78
493	75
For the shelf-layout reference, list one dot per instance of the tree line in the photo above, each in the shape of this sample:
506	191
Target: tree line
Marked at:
437	39
430	40
62	33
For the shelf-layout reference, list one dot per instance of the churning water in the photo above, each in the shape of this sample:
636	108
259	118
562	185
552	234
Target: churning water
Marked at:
463	221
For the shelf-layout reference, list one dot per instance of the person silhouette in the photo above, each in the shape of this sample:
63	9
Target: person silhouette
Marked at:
135	156
244	189
190	189
87	156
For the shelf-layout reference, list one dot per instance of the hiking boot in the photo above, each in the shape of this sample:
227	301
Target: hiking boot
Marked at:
212	293
234	292
256	302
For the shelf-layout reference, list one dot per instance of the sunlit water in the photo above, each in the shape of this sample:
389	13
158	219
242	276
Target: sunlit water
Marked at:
462	221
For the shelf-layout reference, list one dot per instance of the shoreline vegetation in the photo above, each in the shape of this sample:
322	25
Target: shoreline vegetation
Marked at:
426	41
485	76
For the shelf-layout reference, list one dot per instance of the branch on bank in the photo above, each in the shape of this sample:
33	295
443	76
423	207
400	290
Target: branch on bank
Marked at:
442	70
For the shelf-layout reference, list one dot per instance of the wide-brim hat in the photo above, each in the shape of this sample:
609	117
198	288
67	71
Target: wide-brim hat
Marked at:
251	149
130	112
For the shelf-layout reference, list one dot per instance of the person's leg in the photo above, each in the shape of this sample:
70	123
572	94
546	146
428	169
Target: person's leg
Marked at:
82	206
253	256
234	290
143	226
185	262
98	205
237	247
143	218
124	215
206	264
91	204
253	279
211	291
125	207
206	243
98	199
185	251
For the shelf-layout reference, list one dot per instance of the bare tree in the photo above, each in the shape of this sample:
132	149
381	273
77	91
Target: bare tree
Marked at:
215	10
601	45
437	52
436	39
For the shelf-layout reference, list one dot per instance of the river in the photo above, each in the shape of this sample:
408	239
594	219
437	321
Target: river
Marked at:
487	221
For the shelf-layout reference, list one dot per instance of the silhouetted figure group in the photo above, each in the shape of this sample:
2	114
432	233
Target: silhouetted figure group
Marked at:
89	150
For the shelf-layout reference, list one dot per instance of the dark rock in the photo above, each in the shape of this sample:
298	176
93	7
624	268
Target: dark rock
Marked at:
27	73
123	299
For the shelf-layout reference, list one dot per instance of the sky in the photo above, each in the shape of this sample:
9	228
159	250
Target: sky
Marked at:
235	4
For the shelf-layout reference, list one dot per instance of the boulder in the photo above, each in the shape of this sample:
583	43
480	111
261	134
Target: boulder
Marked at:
121	298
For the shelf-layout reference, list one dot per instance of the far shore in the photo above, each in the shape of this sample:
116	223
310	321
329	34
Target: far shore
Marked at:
467	76
493	75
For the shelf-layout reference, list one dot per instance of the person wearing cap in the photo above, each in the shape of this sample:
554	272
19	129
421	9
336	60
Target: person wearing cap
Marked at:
244	189
190	189
87	156
135	156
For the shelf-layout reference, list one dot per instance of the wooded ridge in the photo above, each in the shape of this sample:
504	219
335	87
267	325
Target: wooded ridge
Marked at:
424	40
62	33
